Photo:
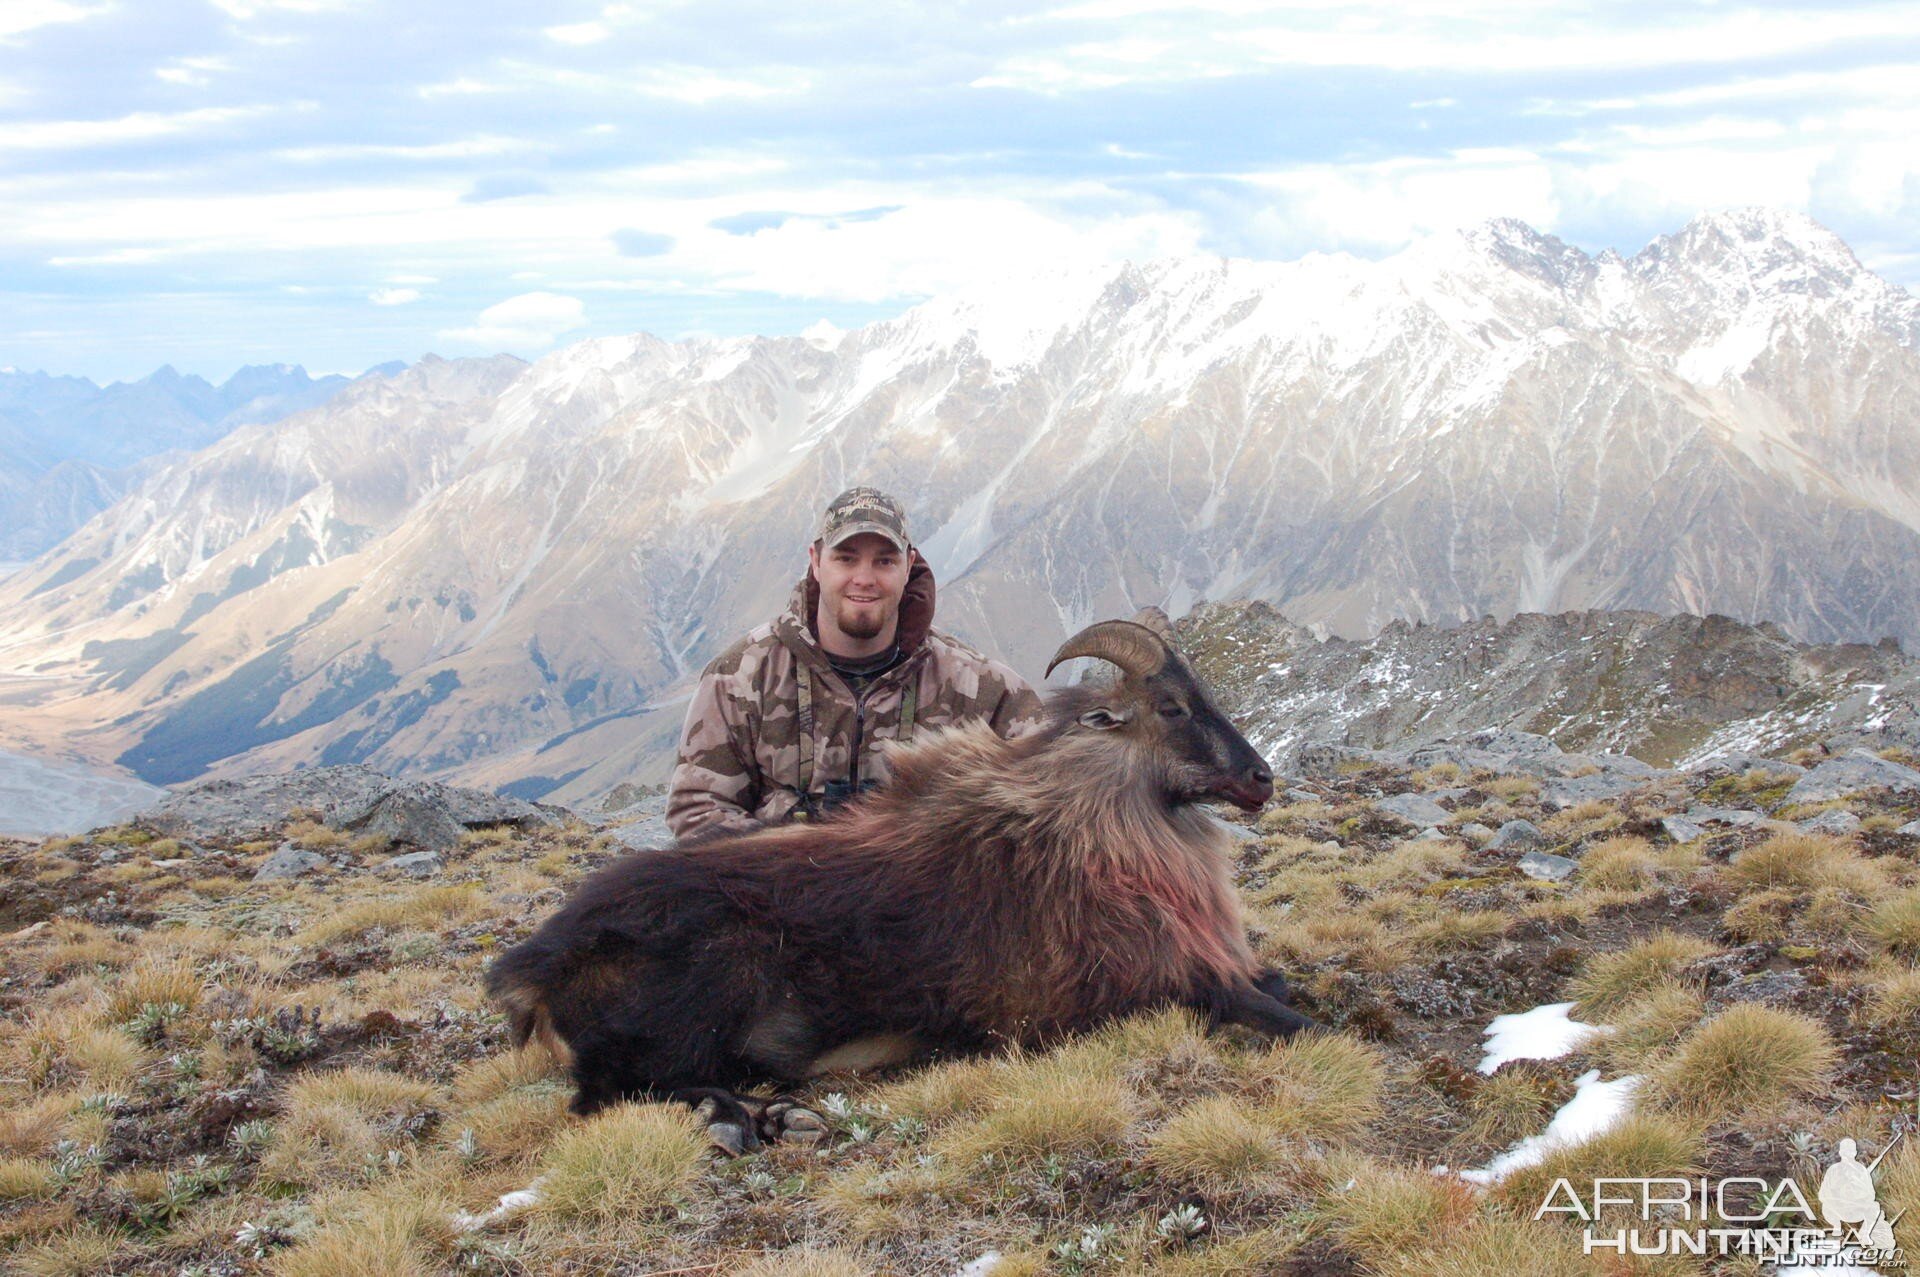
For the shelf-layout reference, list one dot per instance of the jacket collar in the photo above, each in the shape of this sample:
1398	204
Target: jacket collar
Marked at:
796	626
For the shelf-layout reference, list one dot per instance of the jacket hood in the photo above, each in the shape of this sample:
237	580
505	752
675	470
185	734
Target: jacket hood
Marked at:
797	629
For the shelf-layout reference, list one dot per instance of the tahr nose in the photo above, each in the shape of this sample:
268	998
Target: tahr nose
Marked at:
1260	774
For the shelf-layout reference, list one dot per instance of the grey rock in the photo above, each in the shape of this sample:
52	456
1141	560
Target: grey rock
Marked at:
1239	833
1837	822
424	814
1571	791
648	829
1450	794
1723	816
1415	810
1301	796
1476	831
418	864
1323	758
1517	833
1743	764
1911	829
1432	833
1680	829
1850	774
289	862
1547	867
1772	987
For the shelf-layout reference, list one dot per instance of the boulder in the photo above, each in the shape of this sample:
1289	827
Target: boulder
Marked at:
1516	834
1911	829
289	862
1837	822
648	828
423	814
1680	829
1415	810
1723	816
1741	764
1547	867
1571	791
418	864
1851	773
1476	831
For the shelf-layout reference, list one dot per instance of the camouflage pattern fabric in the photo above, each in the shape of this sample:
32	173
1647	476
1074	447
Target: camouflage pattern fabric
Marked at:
739	765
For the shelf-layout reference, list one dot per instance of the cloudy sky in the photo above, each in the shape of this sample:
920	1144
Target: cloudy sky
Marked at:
342	182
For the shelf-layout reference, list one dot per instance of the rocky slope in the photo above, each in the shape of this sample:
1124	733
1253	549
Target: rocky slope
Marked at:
69	448
512	582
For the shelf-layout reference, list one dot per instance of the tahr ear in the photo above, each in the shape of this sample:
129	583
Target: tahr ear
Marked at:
1105	719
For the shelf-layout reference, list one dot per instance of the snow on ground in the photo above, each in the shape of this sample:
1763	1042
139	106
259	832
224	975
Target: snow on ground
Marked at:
1544	1033
1595	1107
510	1204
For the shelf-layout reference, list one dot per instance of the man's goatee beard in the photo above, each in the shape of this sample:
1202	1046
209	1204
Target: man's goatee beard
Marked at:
861	624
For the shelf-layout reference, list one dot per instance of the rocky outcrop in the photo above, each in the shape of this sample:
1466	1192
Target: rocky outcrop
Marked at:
352	798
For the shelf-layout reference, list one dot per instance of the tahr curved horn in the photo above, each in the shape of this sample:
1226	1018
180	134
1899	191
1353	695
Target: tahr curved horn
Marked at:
1137	650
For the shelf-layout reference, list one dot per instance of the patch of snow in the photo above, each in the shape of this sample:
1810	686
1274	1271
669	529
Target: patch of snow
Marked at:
1544	1033
981	1266
510	1204
1595	1108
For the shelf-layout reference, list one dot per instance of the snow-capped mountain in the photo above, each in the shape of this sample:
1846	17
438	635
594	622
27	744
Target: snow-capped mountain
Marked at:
503	574
70	448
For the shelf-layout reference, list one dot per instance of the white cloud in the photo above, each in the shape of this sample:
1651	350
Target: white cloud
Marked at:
462	86
579	33
530	321
393	296
413	279
462	149
20	16
140	126
698	85
192	72
247	9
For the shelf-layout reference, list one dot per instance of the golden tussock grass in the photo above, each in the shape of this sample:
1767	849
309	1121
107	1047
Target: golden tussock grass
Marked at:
874	1201
1634	864
1392	1209
1743	1063
31	1127
24	1177
806	1262
1488	1245
494	1076
402	1229
1763	916
154	982
1611	979
1459	929
1804	861
625	1163
67	1047
1220	1145
1645	1144
1319	1084
1316	935
1507	1107
1894	1002
1264	1252
1894	924
427	909
1065	1103
1647	1026
86	1250
509	1128
941	1092
336	1122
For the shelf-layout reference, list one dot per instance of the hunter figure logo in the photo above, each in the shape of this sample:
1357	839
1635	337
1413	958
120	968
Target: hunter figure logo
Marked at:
1743	1215
1847	1197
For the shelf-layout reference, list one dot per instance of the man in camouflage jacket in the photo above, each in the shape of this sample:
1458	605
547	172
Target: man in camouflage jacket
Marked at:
786	723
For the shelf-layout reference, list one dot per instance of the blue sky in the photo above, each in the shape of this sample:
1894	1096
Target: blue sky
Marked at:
341	182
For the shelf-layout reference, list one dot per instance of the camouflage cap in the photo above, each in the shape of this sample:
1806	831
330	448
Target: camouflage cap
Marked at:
860	510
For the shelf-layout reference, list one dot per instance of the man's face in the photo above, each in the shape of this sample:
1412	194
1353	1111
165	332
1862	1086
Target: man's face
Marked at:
861	582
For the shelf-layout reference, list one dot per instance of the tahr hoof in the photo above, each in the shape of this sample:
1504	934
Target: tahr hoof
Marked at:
729	1131
791	1124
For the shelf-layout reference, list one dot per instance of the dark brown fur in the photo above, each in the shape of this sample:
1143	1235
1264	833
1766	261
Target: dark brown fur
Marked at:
994	891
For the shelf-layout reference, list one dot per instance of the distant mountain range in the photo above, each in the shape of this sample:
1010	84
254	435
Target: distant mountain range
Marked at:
69	448
503	574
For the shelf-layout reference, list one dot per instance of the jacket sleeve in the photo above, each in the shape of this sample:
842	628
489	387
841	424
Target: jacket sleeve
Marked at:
713	790
1018	711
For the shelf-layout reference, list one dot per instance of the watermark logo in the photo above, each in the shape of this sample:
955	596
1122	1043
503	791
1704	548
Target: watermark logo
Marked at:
1741	1215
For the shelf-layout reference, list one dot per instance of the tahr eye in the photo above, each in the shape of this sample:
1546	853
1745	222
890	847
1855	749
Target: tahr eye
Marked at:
1173	709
